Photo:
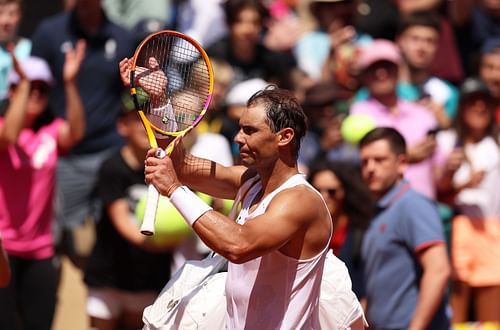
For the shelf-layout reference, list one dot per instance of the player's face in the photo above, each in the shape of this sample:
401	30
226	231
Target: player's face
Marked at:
489	71
330	187
10	15
419	45
258	144
381	167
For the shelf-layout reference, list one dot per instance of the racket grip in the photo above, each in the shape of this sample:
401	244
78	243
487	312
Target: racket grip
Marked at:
148	223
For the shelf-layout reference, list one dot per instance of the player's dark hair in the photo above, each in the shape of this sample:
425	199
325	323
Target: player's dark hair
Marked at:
283	110
392	136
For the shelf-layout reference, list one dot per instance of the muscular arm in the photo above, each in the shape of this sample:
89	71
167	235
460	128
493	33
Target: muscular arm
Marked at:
436	272
289	216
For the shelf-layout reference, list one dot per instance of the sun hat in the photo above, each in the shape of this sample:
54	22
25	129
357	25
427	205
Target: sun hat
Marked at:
378	50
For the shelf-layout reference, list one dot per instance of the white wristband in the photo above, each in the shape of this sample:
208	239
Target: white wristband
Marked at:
189	205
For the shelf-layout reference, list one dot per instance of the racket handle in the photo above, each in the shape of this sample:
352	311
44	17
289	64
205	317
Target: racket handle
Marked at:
148	223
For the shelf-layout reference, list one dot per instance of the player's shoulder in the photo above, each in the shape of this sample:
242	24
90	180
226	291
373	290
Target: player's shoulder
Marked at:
300	197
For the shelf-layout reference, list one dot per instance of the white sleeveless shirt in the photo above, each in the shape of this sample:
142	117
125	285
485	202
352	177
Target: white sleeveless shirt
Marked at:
274	291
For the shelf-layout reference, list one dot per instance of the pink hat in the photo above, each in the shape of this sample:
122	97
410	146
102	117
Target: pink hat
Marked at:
35	68
378	50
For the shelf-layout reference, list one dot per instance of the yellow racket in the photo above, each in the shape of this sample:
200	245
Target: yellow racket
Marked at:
171	83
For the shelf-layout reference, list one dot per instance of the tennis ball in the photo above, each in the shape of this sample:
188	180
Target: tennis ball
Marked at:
355	127
170	227
222	205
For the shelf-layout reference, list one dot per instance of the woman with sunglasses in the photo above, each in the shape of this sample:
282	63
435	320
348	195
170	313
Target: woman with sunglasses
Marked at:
351	207
30	143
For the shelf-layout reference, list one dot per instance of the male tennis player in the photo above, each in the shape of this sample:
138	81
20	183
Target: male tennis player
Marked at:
277	247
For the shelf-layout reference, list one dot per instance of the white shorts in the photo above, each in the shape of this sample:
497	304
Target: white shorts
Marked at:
110	303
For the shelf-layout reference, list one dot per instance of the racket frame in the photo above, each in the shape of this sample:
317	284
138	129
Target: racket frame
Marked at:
147	227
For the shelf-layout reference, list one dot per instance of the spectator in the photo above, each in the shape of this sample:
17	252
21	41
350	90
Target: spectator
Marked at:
126	270
418	39
471	180
242	47
447	63
327	52
351	207
475	22
100	88
489	69
30	142
10	17
325	105
378	63
404	254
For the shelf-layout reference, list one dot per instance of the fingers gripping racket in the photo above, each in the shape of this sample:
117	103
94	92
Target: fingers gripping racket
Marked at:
171	83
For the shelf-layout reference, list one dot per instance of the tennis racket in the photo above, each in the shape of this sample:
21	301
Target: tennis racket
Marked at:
171	83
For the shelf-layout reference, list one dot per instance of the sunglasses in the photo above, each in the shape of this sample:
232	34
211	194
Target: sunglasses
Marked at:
331	191
37	85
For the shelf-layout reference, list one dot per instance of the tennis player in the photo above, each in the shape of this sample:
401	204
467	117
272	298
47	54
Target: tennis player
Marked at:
277	247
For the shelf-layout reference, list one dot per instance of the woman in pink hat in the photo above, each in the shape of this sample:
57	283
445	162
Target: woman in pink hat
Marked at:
30	143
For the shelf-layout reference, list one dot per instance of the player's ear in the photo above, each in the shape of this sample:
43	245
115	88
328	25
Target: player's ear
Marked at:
286	136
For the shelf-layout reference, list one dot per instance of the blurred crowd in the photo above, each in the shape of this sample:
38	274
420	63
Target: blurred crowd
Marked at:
72	149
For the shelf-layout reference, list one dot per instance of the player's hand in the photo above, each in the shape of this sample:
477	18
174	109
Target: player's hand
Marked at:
73	60
161	173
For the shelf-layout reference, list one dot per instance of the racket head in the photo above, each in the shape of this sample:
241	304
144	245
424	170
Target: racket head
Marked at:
171	82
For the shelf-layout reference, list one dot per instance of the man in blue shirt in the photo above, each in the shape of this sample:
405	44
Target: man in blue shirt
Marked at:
405	262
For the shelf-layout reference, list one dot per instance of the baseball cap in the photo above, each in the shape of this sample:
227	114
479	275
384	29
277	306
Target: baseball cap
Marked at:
35	68
241	92
490	45
474	86
378	50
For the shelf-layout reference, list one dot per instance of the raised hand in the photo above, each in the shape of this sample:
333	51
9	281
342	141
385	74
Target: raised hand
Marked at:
15	63
125	71
73	61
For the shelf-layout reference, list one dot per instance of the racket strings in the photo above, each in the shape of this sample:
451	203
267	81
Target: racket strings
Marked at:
186	89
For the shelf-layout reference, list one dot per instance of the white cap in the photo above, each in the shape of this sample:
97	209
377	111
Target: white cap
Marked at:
35	68
241	92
